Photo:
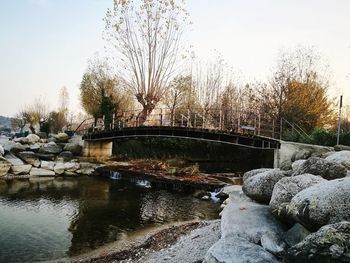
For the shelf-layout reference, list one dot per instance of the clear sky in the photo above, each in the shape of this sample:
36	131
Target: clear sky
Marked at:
45	44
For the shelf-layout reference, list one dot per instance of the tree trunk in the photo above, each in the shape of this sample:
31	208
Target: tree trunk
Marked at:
32	128
142	116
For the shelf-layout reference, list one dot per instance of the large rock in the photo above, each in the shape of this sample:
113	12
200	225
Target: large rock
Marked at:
302	155
249	220
65	156
342	158
21	169
249	233
322	204
330	243
260	186
71	167
61	137
18	167
46	156
4	166
286	165
274	244
21	140
238	250
41	172
86	168
17	148
33	138
251	173
74	148
13	159
30	158
35	147
51	139
47	165
296	165
2	151
50	148
318	166
340	147
296	234
4	140
59	168
286	188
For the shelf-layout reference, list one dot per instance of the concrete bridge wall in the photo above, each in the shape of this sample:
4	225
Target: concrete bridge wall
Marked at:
98	149
289	149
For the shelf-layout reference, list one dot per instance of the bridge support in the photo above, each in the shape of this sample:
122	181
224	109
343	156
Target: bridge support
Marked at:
276	158
98	149
288	150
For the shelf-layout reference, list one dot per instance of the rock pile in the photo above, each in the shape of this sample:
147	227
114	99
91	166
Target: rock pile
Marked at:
42	155
300	213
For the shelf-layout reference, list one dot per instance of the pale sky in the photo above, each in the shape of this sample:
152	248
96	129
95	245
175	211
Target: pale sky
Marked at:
45	44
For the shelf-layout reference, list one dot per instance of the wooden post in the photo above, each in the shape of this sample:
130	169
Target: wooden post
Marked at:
273	128
195	120
259	124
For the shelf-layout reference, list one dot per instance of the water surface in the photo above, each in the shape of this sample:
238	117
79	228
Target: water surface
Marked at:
47	218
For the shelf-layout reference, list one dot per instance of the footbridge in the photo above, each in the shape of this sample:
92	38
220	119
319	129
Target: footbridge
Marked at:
244	129
218	136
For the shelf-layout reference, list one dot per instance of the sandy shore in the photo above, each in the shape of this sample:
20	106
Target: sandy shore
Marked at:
180	242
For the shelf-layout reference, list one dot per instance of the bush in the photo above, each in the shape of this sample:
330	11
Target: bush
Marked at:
320	136
323	137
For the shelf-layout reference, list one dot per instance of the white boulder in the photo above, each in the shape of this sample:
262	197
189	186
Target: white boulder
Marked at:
33	138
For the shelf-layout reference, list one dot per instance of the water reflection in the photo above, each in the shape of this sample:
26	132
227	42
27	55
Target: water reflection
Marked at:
49	218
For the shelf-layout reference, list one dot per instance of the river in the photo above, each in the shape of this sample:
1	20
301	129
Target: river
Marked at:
51	218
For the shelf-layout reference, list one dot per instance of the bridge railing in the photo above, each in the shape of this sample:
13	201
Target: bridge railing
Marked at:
229	121
213	119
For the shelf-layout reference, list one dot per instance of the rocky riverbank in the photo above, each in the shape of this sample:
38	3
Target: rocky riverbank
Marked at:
299	213
42	156
58	155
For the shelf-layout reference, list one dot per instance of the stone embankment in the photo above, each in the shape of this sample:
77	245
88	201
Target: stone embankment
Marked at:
39	155
299	213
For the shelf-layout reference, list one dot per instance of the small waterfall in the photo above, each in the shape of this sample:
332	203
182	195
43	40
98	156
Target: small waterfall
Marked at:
115	175
143	183
213	195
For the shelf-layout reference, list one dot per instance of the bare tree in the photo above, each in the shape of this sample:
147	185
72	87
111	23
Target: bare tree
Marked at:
178	93
33	114
146	36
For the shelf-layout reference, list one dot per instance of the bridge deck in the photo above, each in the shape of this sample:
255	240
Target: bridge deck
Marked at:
245	140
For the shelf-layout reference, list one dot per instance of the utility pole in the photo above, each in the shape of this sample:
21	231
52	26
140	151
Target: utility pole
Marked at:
339	119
